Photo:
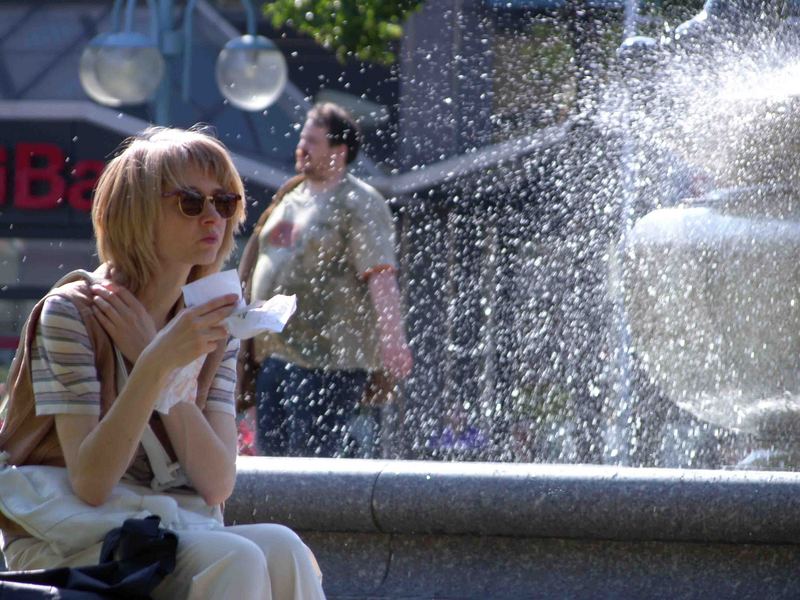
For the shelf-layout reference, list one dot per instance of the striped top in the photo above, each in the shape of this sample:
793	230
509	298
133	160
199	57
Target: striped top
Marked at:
64	375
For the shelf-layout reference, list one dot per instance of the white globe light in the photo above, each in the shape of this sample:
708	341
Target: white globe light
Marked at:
87	72
121	68
251	72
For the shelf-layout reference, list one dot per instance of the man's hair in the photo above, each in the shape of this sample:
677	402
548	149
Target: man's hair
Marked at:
341	126
128	198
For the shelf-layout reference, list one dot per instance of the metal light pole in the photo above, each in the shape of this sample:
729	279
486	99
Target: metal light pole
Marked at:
125	67
617	434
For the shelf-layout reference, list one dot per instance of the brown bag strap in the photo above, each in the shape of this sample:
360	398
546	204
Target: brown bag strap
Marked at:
250	253
246	369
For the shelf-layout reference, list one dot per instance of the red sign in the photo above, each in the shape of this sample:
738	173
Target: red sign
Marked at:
42	179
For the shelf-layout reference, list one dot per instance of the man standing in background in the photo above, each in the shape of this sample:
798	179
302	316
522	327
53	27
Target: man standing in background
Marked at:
327	237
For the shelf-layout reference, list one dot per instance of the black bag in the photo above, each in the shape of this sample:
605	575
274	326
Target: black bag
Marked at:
133	561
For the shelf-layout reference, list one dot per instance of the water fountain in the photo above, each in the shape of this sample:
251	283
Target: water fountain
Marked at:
711	285
708	289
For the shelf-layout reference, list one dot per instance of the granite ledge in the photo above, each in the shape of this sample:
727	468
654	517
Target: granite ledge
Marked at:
518	500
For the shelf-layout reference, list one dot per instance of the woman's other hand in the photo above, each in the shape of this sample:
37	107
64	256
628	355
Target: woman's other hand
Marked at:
124	318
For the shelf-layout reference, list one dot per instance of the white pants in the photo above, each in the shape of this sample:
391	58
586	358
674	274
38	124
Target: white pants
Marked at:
245	562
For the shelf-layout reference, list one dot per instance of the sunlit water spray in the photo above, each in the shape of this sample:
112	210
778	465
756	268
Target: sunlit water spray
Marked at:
711	284
680	191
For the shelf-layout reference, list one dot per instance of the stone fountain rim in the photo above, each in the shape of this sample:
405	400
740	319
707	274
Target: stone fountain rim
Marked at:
518	500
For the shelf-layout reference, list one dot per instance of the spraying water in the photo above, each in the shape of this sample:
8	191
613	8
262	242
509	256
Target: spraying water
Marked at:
711	285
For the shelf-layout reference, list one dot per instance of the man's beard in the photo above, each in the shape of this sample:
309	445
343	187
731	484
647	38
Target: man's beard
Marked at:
310	171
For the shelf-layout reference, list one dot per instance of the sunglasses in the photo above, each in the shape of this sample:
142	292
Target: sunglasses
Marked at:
192	202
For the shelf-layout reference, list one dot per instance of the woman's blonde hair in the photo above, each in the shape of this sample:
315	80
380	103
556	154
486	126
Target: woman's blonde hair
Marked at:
128	203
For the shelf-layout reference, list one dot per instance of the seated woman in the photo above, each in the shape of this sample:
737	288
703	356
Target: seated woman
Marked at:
121	399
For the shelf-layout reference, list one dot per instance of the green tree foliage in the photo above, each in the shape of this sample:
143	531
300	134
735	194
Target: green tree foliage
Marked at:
365	29
674	10
692	6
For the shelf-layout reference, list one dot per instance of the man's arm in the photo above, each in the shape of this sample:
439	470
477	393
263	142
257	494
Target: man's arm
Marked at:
385	295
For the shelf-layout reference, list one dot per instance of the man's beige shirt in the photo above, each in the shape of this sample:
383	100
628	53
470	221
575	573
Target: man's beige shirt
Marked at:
323	248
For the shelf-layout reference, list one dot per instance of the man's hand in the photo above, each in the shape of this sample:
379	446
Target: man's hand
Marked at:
396	357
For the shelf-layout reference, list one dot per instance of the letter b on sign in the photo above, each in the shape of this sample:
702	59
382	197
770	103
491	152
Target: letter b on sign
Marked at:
38	183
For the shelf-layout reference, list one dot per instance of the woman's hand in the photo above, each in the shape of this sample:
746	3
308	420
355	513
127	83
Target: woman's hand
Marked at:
193	332
124	318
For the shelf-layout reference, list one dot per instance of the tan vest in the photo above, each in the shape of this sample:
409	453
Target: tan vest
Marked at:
246	365
29	439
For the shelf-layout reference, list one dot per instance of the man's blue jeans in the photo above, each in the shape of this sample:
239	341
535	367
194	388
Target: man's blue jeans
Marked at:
305	412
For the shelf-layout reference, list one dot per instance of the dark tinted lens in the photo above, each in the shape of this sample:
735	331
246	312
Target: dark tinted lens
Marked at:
225	203
191	202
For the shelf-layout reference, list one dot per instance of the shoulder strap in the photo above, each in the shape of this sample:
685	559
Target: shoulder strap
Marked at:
250	253
166	474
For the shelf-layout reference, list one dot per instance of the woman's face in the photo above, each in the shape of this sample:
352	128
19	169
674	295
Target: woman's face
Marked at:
186	241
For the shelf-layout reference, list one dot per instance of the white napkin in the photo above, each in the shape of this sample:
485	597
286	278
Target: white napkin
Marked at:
247	320
181	387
